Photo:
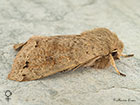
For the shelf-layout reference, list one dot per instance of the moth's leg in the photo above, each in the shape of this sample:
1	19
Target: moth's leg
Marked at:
66	70
91	62
87	63
130	55
72	68
114	65
75	68
17	47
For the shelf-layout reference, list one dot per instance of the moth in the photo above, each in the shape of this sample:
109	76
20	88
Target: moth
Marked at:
42	56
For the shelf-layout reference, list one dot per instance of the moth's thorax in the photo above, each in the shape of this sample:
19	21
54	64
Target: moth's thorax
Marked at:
105	40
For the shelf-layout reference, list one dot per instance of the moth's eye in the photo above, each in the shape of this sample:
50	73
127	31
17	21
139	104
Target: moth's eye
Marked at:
114	53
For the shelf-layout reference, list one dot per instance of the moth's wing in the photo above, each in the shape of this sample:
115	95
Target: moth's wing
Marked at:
44	56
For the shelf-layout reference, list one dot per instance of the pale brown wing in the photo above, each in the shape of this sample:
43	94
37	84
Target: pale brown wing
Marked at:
44	56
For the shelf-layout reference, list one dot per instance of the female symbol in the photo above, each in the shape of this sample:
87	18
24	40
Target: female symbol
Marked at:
8	93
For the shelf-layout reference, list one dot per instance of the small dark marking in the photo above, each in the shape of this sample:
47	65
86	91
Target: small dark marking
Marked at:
36	44
26	64
49	58
23	74
75	41
86	52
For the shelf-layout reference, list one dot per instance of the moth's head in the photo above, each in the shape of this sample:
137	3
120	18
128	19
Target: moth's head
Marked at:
116	53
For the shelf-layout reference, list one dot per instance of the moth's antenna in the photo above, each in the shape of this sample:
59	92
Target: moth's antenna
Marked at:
125	56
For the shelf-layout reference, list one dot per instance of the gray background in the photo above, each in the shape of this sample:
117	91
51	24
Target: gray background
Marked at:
20	19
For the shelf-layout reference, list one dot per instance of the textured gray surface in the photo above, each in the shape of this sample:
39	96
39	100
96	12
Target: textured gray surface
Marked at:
20	19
